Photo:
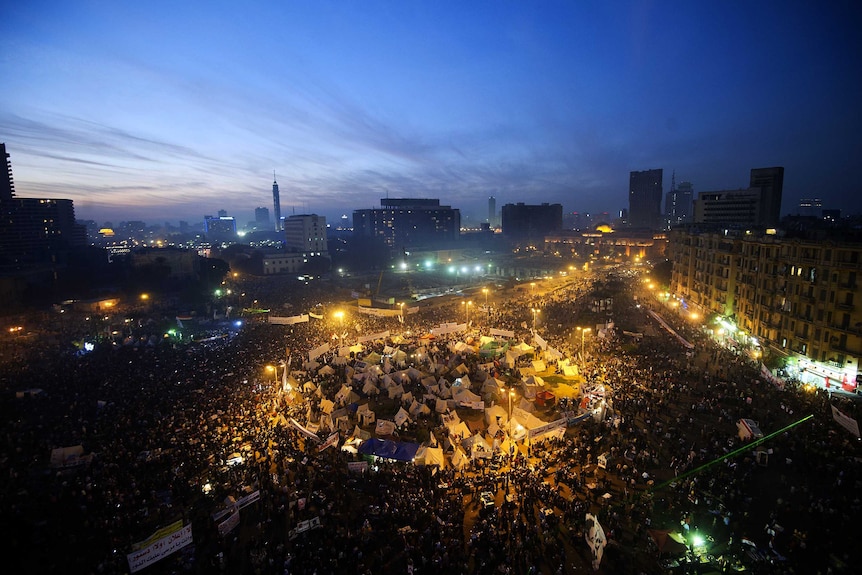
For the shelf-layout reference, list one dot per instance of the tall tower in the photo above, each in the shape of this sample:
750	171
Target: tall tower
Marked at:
770	181
7	187
492	211
645	198
276	203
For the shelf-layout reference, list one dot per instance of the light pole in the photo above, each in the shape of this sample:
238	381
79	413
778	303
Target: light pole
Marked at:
401	309
273	369
511	395
467	305
339	315
532	289
485	291
583	331
535	311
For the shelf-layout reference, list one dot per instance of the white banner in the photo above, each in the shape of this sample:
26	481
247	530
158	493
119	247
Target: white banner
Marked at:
548	427
318	351
330	441
845	421
502	332
373	336
447	328
540	341
309	434
357	466
230	523
247	500
160	549
289	320
378	312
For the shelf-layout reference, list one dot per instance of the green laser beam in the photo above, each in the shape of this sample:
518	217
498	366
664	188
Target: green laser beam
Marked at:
744	448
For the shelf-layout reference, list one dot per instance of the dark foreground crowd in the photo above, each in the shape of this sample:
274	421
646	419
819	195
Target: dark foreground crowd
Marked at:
165	423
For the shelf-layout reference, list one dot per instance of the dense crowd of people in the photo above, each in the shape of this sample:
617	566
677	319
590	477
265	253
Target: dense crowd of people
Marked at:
175	429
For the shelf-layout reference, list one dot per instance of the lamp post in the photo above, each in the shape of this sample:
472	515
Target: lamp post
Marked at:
339	315
532	289
535	311
583	331
467	305
485	291
401	309
511	395
274	370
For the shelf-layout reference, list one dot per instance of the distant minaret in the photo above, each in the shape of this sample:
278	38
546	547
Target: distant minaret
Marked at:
276	203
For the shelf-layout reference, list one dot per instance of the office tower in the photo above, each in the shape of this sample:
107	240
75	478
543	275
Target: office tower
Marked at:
276	204
221	228
492	211
810	207
645	189
261	216
522	221
406	222
770	182
7	187
678	202
306	234
222	213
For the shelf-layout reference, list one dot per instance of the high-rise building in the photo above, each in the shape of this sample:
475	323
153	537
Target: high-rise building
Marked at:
492	211
35	232
306	234
645	190
220	228
276	204
7	187
407	222
810	207
770	182
678	203
522	221
759	205
261	216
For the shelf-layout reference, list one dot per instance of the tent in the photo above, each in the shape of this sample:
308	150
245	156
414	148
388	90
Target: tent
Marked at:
668	541
459	431
369	388
326	406
384	427
387	449
407	398
401	417
417	408
459	458
496	413
395	392
326	370
539	365
430	456
373	358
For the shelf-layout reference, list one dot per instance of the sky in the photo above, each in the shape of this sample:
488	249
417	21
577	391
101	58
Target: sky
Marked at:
166	111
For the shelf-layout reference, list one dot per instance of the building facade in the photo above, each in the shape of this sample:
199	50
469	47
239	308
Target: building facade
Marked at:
306	234
523	221
678	204
645	191
758	206
403	222
797	296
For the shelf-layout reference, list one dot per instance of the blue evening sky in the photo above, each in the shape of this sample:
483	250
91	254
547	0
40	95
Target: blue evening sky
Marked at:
164	111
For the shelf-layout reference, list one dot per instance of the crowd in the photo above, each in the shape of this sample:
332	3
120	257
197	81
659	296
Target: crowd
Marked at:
175	429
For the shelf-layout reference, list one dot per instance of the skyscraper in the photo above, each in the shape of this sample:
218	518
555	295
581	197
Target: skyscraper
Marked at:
678	203
645	198
276	204
7	188
492	211
261	217
770	182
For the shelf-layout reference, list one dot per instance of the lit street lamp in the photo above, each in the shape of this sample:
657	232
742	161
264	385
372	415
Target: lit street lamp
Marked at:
274	370
401	308
339	315
583	331
535	311
467	305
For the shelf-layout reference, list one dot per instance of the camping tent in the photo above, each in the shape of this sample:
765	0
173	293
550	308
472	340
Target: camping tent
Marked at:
397	450
401	417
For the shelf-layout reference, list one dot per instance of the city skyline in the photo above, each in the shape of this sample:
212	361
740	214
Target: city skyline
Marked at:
167	113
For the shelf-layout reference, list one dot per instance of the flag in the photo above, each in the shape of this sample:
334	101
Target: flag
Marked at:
595	539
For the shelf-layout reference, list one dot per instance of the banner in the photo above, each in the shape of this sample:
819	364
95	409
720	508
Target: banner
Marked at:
595	537
502	332
230	523
318	351
378	312
315	315
539	340
373	336
330	441
547	428
357	466
308	434
164	531
289	320
159	549
845	421
247	500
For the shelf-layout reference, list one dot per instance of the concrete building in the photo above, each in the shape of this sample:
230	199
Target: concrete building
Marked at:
797	296
306	234
402	223
645	191
531	222
758	206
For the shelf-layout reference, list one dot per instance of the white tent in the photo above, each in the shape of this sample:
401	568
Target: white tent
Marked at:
459	459
430	456
326	406
496	413
384	427
477	445
343	394
539	365
369	388
417	408
465	382
401	417
459	431
461	370
395	392
326	370
407	398
361	433
309	387
367	417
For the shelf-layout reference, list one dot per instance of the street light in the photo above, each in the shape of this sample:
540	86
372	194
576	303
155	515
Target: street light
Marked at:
401	308
535	311
532	289
467	305
273	369
583	331
485	291
511	395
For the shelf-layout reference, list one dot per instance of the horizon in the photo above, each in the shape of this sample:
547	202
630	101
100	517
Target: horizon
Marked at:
157	114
